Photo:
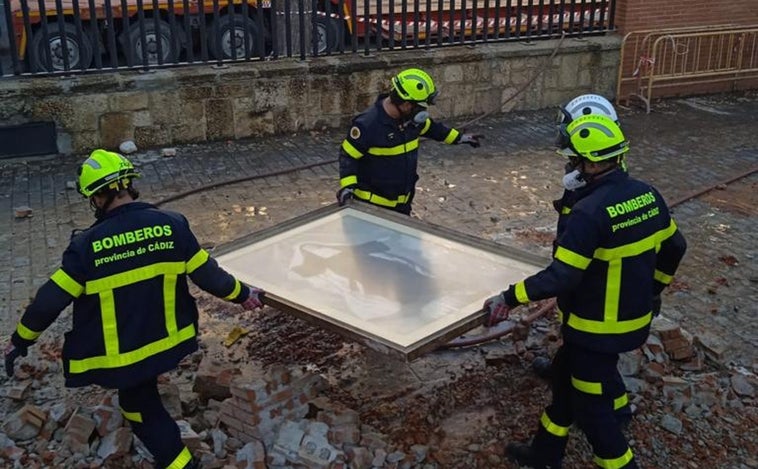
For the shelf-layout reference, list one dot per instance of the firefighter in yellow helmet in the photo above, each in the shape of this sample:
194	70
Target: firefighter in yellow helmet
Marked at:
379	158
619	248
133	316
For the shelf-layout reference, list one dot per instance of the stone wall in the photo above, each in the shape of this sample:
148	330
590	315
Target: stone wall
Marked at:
201	103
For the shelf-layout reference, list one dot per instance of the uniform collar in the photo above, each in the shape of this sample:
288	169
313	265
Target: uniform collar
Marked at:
130	207
612	177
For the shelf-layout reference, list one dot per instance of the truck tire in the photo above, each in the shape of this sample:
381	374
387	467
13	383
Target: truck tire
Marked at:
134	51
79	53
328	34
231	30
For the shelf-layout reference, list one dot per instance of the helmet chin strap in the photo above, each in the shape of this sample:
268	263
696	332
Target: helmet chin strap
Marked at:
101	210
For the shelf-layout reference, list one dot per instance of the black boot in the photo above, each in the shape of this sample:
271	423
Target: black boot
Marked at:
525	455
543	367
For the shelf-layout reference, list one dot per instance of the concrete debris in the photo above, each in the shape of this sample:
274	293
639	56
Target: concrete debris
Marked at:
127	147
25	423
168	152
257	417
22	211
742	386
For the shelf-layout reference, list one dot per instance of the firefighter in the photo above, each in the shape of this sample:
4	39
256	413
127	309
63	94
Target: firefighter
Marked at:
619	248
133	317
583	105
379	158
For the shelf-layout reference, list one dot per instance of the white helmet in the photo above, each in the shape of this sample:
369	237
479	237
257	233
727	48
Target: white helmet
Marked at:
584	105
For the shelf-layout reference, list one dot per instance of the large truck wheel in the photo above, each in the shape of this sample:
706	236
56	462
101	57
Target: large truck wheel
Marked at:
328	34
228	34
79	54
134	51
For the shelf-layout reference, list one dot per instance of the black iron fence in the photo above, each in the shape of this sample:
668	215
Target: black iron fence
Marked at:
68	36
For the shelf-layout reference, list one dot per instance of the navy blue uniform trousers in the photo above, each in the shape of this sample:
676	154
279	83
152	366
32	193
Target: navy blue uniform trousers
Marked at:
585	384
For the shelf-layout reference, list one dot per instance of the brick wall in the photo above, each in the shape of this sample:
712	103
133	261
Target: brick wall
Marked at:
636	15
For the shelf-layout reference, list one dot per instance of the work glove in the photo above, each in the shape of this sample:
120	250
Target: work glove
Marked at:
497	309
344	194
11	354
254	299
656	305
471	139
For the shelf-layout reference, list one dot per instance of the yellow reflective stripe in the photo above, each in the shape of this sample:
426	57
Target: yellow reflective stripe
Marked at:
26	333
627	250
665	234
379	200
621	401
169	304
131	416
606	327
451	136
133	276
638	247
663	277
521	295
348	148
616	463
235	292
108	318
348	181
587	387
197	261
182	460
394	151
134	356
553	428
612	291
67	284
571	258
425	129
565	210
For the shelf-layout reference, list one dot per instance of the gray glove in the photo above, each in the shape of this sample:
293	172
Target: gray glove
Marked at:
471	139
497	309
254	299
344	194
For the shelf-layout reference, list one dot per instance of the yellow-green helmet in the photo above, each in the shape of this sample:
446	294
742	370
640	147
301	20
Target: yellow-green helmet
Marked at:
415	85
594	137
104	169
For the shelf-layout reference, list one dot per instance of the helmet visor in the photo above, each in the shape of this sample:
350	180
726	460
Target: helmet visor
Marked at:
563	117
562	138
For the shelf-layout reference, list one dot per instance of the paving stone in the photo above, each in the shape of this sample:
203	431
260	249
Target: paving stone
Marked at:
500	191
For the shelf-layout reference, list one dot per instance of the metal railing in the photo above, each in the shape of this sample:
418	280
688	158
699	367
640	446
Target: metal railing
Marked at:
74	36
652	60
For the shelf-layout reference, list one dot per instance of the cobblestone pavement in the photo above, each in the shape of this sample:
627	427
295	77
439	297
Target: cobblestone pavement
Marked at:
501	191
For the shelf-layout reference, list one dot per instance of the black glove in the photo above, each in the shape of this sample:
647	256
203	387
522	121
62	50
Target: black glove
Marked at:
11	354
497	309
344	194
656	305
471	139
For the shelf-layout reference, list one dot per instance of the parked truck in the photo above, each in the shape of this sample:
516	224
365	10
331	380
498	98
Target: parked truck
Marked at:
60	35
171	30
